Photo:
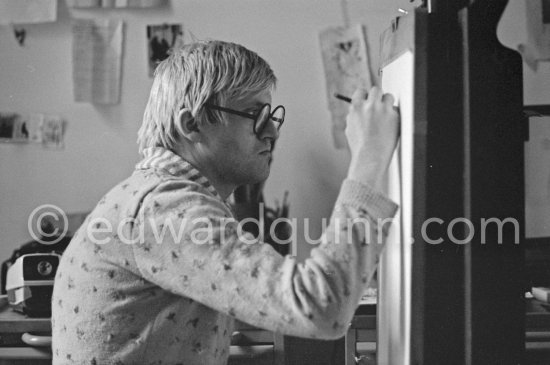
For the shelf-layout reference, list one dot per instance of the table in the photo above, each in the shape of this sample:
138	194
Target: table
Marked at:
362	330
12	326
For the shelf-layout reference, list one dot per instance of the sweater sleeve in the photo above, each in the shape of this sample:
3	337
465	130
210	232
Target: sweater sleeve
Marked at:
191	246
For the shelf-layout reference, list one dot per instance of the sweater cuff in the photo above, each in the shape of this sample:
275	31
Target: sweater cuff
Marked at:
361	196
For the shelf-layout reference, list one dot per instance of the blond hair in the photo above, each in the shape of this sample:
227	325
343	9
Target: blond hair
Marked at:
212	71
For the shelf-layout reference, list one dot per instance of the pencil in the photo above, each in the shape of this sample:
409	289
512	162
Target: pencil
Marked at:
348	100
345	98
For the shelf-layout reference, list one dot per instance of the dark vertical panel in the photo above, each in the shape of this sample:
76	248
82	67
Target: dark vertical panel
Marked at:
437	330
446	7
494	187
418	274
545	11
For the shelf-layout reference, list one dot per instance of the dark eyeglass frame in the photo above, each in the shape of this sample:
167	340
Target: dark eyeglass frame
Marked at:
254	117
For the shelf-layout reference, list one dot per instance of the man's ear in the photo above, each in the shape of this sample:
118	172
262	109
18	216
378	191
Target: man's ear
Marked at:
187	125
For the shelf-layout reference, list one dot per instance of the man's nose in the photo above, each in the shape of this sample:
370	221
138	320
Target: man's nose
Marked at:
270	130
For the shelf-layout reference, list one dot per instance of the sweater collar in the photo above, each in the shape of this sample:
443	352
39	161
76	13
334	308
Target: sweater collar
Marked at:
162	158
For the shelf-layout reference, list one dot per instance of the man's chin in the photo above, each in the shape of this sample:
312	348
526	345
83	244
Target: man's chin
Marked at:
266	175
259	178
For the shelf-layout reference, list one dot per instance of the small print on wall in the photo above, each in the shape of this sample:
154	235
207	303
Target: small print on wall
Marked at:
49	130
15	127
53	131
7	126
161	38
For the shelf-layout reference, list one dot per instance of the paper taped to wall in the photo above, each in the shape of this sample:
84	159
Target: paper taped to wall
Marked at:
53	131
27	11
346	63
33	128
115	3
97	60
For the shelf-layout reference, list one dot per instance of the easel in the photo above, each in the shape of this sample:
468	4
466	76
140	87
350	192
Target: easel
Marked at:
466	299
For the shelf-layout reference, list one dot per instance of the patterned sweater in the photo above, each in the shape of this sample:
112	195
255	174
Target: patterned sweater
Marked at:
132	290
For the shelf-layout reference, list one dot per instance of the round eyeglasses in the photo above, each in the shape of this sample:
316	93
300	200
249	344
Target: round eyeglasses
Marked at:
260	119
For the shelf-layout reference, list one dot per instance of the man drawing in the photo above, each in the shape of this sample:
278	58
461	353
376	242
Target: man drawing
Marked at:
126	293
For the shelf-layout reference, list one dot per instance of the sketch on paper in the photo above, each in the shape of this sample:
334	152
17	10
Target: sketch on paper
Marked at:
346	65
537	179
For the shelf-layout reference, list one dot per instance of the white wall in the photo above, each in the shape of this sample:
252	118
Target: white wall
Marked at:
100	141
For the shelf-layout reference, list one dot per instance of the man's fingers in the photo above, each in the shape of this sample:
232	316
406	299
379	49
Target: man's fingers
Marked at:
359	96
388	99
375	94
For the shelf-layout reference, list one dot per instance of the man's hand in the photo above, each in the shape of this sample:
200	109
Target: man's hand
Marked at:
372	131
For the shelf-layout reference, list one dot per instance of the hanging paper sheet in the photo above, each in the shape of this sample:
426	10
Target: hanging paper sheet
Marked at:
346	63
27	11
97	59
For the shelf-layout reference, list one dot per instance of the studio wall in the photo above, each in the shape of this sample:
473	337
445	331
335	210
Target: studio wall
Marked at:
100	148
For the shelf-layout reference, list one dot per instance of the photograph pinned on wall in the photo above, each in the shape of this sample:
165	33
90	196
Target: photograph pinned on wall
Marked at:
7	126
346	64
161	38
53	132
21	129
